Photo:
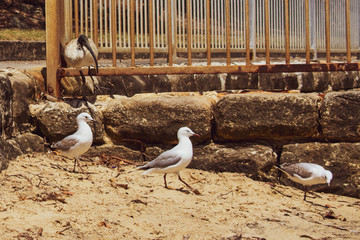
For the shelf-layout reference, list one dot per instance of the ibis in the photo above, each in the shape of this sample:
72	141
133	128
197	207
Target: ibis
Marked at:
81	52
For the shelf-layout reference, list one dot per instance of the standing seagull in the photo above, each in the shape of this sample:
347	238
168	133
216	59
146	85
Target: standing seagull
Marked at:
175	159
306	174
77	56
78	143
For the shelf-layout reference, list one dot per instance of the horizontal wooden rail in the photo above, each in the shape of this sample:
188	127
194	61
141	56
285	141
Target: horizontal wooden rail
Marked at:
271	68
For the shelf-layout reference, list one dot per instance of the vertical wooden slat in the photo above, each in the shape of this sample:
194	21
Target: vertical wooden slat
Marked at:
169	19
267	32
151	32
247	32
189	30
287	32
113	31
52	46
348	42
307	31
96	19
228	32
76	10
327	30
132	31
208	33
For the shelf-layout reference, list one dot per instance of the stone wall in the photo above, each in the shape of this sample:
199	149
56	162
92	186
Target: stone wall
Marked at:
22	50
241	131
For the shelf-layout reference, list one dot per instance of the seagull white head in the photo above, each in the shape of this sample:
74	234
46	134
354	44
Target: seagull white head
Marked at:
186	132
328	177
84	117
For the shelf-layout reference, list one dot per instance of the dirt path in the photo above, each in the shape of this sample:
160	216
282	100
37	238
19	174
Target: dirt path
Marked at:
41	200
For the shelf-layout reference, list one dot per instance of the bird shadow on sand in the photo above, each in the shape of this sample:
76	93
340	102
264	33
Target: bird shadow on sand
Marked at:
186	191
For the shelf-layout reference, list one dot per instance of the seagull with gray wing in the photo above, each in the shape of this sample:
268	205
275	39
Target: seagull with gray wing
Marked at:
73	146
175	159
307	174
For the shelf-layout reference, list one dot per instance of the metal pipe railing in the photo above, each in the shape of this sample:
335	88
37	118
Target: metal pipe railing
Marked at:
217	26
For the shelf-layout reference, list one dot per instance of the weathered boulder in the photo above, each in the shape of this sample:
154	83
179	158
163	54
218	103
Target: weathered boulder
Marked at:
343	80
208	82
314	82
113	155
254	160
342	159
156	118
17	91
131	85
278	81
73	86
56	120
9	149
270	116
21	144
29	142
23	89
340	116
5	104
242	81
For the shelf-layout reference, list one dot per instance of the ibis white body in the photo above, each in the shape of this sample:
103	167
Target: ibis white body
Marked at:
78	55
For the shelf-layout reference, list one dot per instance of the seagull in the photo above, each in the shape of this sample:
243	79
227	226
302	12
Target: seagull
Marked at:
78	143
175	159
81	52
307	174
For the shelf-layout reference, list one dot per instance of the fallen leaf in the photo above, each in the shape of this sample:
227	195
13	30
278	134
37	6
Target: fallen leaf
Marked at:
103	224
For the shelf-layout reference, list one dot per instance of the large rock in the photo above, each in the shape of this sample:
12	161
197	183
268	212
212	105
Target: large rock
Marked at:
342	159
270	116
254	160
5	104
57	120
314	82
24	89
242	81
278	81
17	91
73	86
156	118
340	116
21	144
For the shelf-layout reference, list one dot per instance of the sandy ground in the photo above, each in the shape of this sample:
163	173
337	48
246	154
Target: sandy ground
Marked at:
41	199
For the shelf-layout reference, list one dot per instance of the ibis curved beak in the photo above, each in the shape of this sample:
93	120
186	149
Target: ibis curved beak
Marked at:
87	45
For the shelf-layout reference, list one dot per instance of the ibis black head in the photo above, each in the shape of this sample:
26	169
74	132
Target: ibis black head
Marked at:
84	42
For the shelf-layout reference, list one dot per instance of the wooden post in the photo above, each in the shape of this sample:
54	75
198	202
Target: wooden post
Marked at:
52	47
